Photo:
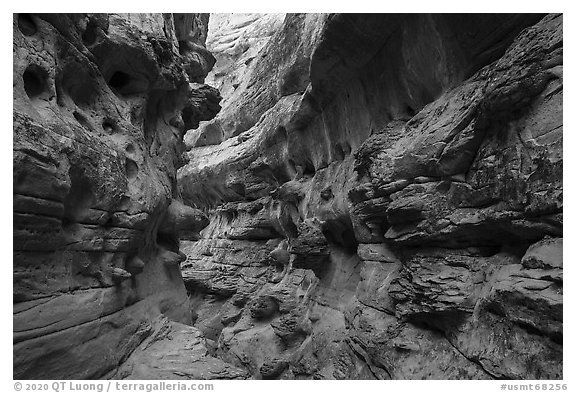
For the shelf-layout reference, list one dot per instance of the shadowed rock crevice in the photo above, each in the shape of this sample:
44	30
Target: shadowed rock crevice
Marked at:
27	25
35	82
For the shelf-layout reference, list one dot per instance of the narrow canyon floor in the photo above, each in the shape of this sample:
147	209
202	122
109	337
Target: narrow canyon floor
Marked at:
288	196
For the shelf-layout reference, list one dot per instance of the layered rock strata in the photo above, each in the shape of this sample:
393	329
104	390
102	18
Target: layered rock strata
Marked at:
101	103
386	201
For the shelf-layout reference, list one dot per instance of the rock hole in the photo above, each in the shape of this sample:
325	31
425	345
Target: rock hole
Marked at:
119	80
131	169
130	148
125	84
339	154
341	233
109	126
78	116
326	194
444	186
76	82
35	81
26	25
309	169
83	120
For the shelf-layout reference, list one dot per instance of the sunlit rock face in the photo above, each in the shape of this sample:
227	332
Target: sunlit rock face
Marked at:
101	102
235	40
384	196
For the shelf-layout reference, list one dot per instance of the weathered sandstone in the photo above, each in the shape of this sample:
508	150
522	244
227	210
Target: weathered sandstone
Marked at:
385	201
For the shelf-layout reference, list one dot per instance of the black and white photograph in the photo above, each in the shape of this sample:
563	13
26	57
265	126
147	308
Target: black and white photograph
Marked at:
286	196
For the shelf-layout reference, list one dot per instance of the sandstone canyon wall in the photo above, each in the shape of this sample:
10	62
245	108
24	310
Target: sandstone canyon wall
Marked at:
378	197
386	201
101	103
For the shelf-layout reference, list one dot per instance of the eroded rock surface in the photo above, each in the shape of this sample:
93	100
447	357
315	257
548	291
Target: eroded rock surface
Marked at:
101	103
235	40
385	201
379	197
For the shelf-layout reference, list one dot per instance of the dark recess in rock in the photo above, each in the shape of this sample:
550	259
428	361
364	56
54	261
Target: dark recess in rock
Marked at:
35	81
90	35
27	25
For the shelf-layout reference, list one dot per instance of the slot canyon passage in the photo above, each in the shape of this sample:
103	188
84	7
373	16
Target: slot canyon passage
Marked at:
287	196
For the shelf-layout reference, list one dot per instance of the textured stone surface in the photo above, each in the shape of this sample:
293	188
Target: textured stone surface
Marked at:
379	197
175	351
101	103
385	201
235	40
